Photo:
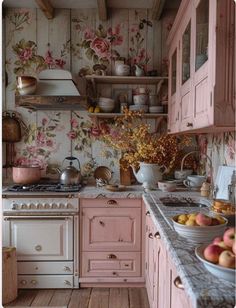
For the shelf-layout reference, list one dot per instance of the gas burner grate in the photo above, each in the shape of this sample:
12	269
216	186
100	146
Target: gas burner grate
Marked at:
45	187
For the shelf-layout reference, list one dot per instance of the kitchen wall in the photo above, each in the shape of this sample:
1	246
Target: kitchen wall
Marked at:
33	43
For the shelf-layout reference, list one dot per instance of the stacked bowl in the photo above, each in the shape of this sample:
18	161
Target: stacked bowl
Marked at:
140	100
154	105
106	104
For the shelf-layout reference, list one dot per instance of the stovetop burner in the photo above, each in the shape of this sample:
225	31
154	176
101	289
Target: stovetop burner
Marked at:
45	187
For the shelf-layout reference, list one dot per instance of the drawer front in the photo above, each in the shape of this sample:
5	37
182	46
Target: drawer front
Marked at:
45	281
116	229
115	264
45	268
111	203
42	238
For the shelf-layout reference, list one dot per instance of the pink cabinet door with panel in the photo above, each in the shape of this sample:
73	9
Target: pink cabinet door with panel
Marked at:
116	229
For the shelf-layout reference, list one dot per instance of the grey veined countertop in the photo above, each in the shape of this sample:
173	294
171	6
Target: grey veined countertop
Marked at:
204	289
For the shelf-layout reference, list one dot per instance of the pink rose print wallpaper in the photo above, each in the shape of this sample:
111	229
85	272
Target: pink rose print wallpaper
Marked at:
76	40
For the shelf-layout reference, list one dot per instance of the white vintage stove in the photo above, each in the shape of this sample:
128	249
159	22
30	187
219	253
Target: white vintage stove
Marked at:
42	222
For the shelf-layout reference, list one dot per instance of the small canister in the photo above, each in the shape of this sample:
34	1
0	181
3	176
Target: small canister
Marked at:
205	189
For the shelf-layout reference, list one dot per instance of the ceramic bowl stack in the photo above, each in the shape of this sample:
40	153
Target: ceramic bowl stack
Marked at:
140	101
106	104
154	105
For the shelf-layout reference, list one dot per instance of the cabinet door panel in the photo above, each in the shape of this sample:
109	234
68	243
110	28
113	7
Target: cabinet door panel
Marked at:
111	229
37	239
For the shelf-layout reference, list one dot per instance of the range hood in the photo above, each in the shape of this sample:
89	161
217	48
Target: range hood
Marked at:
56	90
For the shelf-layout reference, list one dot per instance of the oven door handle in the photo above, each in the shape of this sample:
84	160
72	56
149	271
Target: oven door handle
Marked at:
37	218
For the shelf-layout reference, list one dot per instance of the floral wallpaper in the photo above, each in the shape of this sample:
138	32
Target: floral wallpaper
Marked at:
75	40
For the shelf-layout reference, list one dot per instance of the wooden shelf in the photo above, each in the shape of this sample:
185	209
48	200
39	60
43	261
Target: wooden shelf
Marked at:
113	115
125	79
38	102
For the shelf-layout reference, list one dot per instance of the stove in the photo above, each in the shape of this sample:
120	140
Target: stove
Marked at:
44	188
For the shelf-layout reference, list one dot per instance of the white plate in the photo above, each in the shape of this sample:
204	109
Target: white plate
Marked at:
217	270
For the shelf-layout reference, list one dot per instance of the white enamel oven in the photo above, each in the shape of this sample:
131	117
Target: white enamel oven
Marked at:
44	231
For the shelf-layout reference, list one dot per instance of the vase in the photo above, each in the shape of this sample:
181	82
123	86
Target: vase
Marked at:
149	174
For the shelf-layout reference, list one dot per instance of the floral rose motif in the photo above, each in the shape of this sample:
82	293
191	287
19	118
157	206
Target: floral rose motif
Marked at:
101	47
89	34
72	135
74	123
25	54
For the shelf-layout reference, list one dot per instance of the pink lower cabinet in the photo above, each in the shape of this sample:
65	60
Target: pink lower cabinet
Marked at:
111	241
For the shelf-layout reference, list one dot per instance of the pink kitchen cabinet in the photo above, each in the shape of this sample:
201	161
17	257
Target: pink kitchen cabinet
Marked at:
201	70
111	241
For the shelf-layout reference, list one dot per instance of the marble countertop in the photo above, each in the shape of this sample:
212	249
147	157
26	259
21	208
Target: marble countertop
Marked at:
204	289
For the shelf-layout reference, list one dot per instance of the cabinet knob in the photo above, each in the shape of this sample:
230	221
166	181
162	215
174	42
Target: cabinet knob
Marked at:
168	130
178	283
114	273
147	213
150	235
101	223
67	269
157	235
34	282
111	256
36	268
189	124
24	282
111	202
38	247
67	282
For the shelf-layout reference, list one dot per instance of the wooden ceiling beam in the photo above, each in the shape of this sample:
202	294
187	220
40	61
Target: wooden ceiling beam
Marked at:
102	10
46	7
157	9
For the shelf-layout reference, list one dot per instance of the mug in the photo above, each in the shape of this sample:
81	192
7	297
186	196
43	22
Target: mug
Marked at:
182	175
194	181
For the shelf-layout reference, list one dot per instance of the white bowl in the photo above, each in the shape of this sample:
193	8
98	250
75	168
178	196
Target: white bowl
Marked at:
143	108
217	270
106	108
199	234
140	99
155	109
106	100
167	185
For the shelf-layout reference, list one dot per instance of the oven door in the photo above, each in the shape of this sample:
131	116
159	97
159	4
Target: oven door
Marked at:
40	237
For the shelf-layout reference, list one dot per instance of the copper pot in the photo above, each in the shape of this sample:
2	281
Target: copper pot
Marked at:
26	174
11	129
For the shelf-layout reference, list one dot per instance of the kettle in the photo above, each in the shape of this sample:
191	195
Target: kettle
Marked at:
70	175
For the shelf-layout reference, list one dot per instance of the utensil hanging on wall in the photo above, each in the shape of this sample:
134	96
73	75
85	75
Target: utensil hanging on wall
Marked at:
13	128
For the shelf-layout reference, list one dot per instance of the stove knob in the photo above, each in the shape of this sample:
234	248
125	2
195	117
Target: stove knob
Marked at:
32	206
69	206
61	205
14	206
47	206
24	206
54	206
39	206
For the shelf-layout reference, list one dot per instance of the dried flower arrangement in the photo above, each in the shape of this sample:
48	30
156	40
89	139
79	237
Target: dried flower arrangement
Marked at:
133	138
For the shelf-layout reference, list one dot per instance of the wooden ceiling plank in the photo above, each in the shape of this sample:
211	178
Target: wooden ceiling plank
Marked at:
157	9
46	7
102	9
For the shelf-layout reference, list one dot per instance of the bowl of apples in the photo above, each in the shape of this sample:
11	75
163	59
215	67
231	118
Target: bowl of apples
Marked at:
198	227
219	257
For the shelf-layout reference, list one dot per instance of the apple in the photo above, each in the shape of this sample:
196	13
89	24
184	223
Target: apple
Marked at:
227	259
212	252
222	245
190	222
234	247
229	237
215	222
217	240
203	220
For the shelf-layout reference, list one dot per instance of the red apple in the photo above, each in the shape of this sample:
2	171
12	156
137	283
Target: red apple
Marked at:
222	245
212	252
217	240
234	247
229	237
227	259
203	220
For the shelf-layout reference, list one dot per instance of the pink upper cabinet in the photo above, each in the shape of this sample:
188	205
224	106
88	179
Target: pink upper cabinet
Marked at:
201	75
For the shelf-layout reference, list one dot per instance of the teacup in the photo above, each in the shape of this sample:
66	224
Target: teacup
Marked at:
194	181
182	175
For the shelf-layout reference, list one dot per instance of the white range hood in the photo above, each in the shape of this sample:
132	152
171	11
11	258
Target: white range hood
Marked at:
56	90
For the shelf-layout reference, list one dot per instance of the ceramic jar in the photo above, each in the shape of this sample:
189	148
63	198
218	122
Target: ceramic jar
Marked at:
122	70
